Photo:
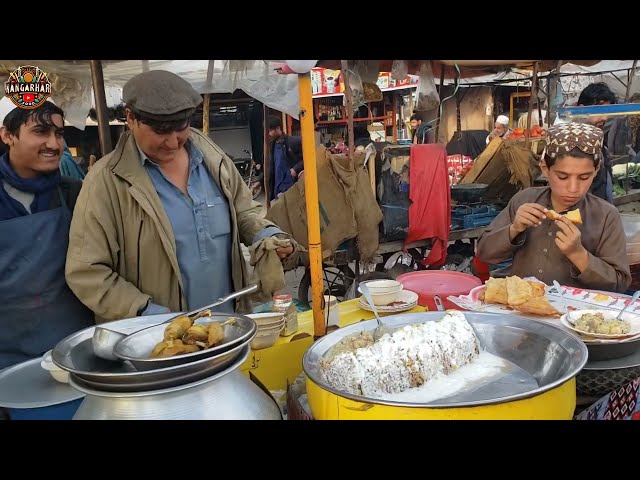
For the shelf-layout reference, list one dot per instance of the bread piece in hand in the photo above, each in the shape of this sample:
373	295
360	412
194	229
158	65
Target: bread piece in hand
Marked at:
573	216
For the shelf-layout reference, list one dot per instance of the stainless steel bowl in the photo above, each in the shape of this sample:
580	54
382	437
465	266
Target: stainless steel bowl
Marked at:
75	355
137	347
548	354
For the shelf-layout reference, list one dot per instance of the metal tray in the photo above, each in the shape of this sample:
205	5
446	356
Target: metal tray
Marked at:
75	355
137	347
224	361
609	351
28	385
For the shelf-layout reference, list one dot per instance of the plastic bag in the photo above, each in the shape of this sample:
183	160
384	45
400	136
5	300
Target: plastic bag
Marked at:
355	84
427	94
369	70
399	70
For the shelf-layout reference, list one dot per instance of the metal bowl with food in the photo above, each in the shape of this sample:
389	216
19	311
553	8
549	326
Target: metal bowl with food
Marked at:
528	371
75	355
139	348
602	324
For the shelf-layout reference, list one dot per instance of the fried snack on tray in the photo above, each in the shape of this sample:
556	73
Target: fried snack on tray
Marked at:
196	334
177	328
216	334
537	306
573	216
169	348
518	291
496	291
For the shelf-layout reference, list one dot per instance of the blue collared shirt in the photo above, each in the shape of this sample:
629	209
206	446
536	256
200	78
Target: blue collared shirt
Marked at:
201	225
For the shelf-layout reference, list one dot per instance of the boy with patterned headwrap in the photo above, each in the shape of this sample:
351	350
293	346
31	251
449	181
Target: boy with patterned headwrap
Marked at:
588	255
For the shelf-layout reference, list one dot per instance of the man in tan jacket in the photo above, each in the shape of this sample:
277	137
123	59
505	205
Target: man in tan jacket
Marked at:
159	221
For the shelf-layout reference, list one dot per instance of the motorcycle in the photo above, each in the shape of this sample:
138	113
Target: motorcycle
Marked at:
251	173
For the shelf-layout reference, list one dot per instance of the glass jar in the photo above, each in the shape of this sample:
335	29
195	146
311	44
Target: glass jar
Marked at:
284	304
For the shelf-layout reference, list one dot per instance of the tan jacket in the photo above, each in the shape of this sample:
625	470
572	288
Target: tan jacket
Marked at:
122	249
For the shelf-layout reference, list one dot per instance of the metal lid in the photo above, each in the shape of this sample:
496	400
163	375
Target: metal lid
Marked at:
28	385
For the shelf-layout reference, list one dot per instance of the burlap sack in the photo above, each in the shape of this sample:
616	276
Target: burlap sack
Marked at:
337	220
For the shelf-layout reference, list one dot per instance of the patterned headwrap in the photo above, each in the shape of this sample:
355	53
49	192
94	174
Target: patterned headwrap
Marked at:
563	138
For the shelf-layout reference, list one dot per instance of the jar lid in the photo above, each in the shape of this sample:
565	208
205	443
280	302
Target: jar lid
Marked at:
284	297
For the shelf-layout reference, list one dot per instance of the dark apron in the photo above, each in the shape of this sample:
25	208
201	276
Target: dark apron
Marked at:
37	308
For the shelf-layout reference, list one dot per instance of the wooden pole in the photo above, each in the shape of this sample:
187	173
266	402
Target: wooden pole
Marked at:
205	114
266	155
311	201
206	105
630	81
349	107
554	85
101	106
532	99
440	94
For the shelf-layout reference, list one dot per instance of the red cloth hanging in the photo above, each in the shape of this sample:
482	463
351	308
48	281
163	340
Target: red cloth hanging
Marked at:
430	195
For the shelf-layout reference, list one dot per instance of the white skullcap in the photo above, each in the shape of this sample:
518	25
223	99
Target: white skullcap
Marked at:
7	106
503	119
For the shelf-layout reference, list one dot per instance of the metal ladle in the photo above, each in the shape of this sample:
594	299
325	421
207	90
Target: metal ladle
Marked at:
381	329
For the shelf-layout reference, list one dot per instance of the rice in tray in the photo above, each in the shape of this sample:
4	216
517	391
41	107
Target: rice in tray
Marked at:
407	358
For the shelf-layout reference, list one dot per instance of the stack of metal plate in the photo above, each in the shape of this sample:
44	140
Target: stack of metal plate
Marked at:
141	373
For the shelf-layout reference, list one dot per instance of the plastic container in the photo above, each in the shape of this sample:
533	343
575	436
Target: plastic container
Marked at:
331	314
284	304
427	283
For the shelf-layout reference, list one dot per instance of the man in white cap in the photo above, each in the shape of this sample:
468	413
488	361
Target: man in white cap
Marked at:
501	129
160	220
37	308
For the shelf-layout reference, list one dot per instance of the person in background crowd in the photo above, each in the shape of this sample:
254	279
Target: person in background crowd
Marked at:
501	129
286	159
422	131
600	94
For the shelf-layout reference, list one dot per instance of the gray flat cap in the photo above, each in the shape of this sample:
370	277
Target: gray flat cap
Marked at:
161	95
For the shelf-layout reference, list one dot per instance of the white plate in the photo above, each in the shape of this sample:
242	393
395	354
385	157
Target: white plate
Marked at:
568	320
406	301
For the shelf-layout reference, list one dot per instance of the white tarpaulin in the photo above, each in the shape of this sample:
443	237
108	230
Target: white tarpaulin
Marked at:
72	91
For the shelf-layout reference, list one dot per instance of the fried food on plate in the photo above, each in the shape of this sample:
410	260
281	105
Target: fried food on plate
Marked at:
518	291
573	216
496	291
169	348
177	328
216	334
537	288
196	334
537	306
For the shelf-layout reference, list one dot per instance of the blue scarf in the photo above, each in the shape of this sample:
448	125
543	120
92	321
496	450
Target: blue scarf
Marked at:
43	186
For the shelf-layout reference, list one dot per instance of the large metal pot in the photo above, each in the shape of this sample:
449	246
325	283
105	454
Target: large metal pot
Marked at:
228	395
549	354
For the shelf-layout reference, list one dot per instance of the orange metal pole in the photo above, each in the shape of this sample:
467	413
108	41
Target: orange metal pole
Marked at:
311	199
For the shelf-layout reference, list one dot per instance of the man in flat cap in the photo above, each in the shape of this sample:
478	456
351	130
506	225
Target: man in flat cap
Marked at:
159	220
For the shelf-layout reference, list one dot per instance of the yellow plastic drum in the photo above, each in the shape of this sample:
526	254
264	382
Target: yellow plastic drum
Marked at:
550	355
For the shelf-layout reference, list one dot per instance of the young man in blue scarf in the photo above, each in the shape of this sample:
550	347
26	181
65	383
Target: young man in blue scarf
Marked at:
37	308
